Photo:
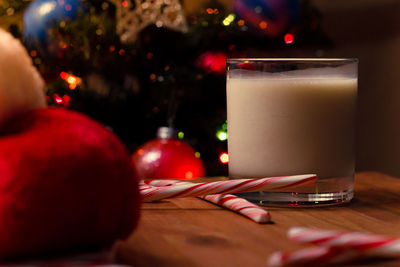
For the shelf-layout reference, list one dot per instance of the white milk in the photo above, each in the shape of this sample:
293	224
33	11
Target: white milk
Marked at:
291	125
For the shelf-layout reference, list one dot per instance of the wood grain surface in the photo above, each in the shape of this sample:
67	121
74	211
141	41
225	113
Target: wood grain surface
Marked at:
193	232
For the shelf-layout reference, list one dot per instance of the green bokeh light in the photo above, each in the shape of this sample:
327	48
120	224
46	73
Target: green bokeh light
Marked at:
222	135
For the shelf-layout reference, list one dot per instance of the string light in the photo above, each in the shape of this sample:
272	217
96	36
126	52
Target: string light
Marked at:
149	55
229	19
288	38
212	11
64	75
58	99
66	98
72	80
263	25
181	135
224	158
222	135
61	100
62	45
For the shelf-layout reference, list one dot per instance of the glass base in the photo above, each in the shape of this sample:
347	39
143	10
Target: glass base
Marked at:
298	199
326	192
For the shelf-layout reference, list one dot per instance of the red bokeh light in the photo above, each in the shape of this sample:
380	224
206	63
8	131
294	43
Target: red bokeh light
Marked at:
288	38
64	75
212	62
224	158
62	100
58	99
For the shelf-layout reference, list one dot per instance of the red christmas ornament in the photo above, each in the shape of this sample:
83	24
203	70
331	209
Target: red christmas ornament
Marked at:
167	157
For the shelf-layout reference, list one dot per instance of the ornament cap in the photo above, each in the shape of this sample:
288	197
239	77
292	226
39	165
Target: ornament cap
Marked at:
166	132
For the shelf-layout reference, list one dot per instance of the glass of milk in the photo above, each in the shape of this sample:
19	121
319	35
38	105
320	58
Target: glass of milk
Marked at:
293	116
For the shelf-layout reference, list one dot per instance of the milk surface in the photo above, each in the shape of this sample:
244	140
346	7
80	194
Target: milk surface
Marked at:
291	125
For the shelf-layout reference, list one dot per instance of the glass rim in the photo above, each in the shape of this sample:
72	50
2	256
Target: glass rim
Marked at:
294	60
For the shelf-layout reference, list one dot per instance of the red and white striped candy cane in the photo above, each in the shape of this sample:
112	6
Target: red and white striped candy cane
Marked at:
231	202
142	185
335	247
317	256
365	243
226	187
240	205
165	182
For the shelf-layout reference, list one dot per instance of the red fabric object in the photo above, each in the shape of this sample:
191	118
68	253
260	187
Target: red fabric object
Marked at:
66	183
163	158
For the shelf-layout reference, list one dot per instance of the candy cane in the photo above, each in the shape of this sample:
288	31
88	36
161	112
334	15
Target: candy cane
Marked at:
225	187
241	206
317	256
231	202
335	247
365	243
143	186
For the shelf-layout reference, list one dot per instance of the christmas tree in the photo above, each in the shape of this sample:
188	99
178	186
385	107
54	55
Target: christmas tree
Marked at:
138	65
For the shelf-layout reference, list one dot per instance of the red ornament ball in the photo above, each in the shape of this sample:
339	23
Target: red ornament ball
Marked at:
66	183
166	157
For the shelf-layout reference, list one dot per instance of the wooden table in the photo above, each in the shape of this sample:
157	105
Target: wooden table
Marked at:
193	232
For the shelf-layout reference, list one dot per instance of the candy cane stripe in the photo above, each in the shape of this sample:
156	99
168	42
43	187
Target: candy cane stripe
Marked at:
232	186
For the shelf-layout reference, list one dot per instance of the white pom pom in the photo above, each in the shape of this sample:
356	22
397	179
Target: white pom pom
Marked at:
21	86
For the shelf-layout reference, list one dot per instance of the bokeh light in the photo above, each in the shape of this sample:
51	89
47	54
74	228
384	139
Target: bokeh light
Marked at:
224	158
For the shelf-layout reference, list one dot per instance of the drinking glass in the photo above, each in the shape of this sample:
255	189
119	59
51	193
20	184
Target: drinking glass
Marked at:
293	116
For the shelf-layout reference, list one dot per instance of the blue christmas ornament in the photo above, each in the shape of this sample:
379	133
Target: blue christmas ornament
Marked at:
270	18
42	15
